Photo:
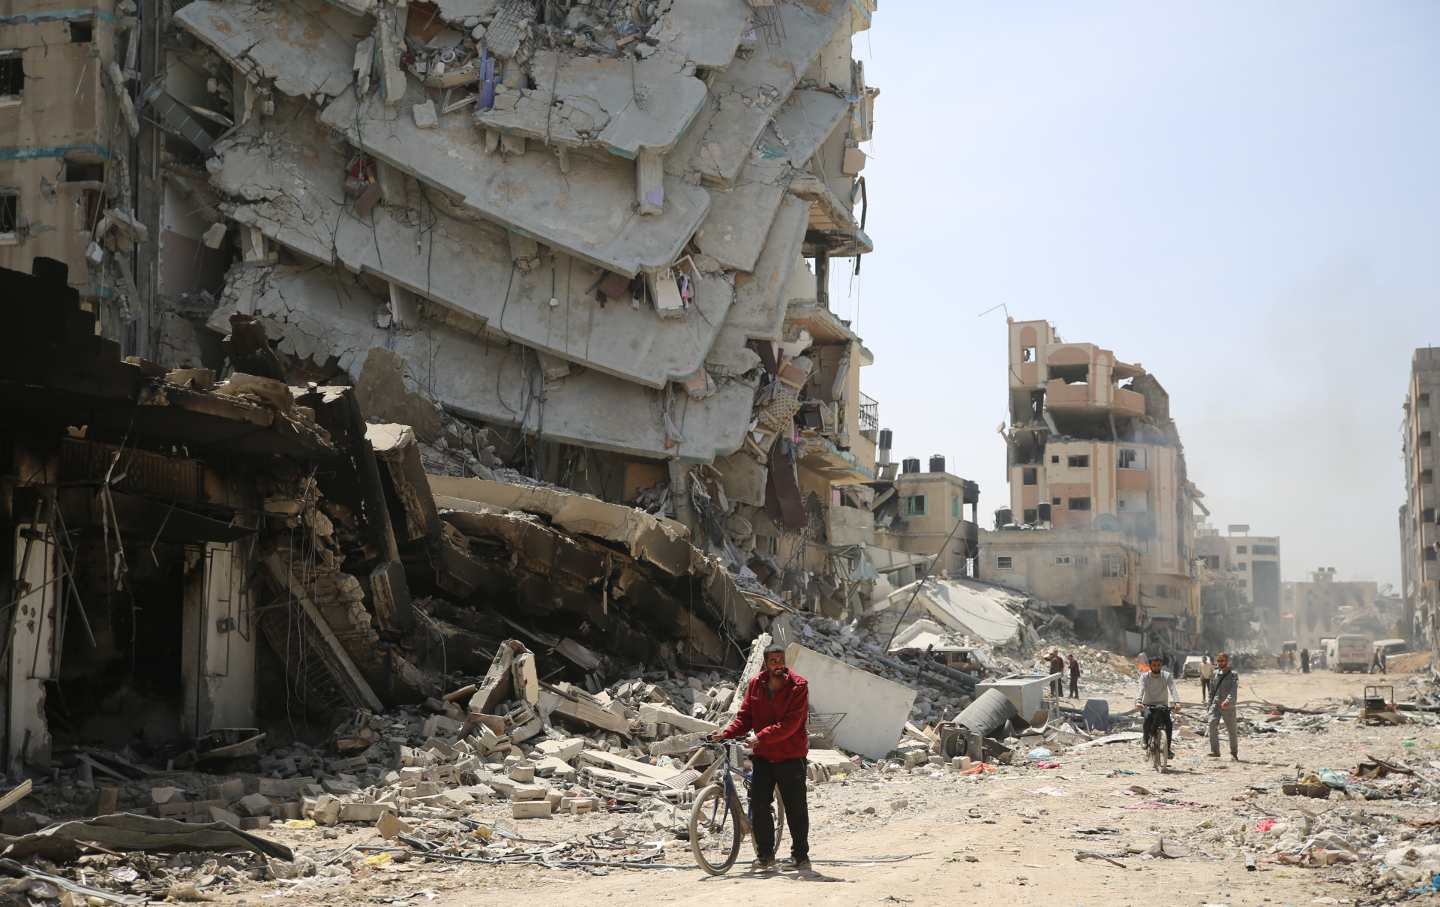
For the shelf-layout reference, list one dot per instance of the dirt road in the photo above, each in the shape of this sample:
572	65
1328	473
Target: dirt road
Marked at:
1017	836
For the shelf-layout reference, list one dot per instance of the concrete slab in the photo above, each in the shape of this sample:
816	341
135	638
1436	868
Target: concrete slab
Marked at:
614	105
748	94
293	182
729	233
305	47
705	32
317	312
761	298
588	211
875	709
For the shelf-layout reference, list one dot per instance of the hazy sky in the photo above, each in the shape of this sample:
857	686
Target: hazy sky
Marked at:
1243	197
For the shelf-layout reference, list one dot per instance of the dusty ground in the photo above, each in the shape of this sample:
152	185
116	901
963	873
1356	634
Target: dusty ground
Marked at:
1014	834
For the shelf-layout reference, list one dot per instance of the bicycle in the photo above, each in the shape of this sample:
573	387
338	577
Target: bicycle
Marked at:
1155	742
718	822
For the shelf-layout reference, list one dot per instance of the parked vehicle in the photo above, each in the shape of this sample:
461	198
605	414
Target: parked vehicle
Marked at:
1352	653
1388	647
1192	665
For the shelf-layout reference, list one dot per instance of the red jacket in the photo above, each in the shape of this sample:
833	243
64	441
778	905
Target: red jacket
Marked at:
778	719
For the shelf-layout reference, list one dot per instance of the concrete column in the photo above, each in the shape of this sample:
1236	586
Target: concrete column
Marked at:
217	663
32	648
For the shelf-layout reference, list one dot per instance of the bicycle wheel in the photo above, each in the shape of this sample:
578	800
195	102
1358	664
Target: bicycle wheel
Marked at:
714	831
779	820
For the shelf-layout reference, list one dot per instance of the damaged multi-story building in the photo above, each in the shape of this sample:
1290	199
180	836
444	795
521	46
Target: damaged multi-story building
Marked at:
1102	511
1324	607
608	227
1420	514
591	242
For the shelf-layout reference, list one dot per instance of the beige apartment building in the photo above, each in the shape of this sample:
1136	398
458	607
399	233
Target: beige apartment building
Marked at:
1095	468
931	518
1420	514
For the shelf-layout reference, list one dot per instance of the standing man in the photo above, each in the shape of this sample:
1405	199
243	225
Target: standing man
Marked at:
1074	676
1057	666
776	707
1378	663
1305	661
1207	672
1224	694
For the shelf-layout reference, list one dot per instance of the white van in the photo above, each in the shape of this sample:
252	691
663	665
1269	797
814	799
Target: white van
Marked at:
1351	653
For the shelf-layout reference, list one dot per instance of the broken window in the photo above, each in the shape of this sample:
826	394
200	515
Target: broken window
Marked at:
1112	565
1004	562
1424	400
1078	462
1130	458
915	505
1054	458
1031	516
9	216
1424	439
1430	553
955	504
12	76
1078	504
1427	515
1029	475
84	172
1264	549
1062	560
1027	354
1425	476
1211	560
1054	502
82	31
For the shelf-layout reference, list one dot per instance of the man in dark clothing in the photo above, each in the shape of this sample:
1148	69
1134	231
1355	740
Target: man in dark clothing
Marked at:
1057	666
1074	676
1304	661
776	707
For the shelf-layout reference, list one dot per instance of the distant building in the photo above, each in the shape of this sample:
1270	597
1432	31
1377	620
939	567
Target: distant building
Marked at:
929	517
1255	562
1101	508
1419	518
1326	607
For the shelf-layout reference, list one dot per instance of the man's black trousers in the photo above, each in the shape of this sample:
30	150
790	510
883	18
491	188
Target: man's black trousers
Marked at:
789	777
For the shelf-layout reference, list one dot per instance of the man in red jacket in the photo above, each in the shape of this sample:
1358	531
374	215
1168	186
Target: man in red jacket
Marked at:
776	707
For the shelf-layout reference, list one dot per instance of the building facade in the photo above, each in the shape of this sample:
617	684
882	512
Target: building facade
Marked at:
1420	514
1325	607
928	515
1092	452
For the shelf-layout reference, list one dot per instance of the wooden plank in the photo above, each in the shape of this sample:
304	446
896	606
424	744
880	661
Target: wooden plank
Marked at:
18	793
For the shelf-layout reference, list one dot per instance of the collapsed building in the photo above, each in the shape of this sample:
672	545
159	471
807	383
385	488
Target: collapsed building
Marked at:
589	241
193	557
1102	511
1324	607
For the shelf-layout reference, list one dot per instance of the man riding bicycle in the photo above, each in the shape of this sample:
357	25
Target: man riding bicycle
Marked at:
1157	688
776	707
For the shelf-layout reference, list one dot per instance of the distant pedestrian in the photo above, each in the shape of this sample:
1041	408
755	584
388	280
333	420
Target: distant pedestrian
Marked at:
1304	661
1207	672
1057	668
1224	696
1074	676
1379	663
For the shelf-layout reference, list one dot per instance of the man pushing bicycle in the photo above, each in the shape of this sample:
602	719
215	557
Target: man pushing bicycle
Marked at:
776	707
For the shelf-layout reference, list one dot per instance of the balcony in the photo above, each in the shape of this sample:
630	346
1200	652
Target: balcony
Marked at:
1080	396
869	417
